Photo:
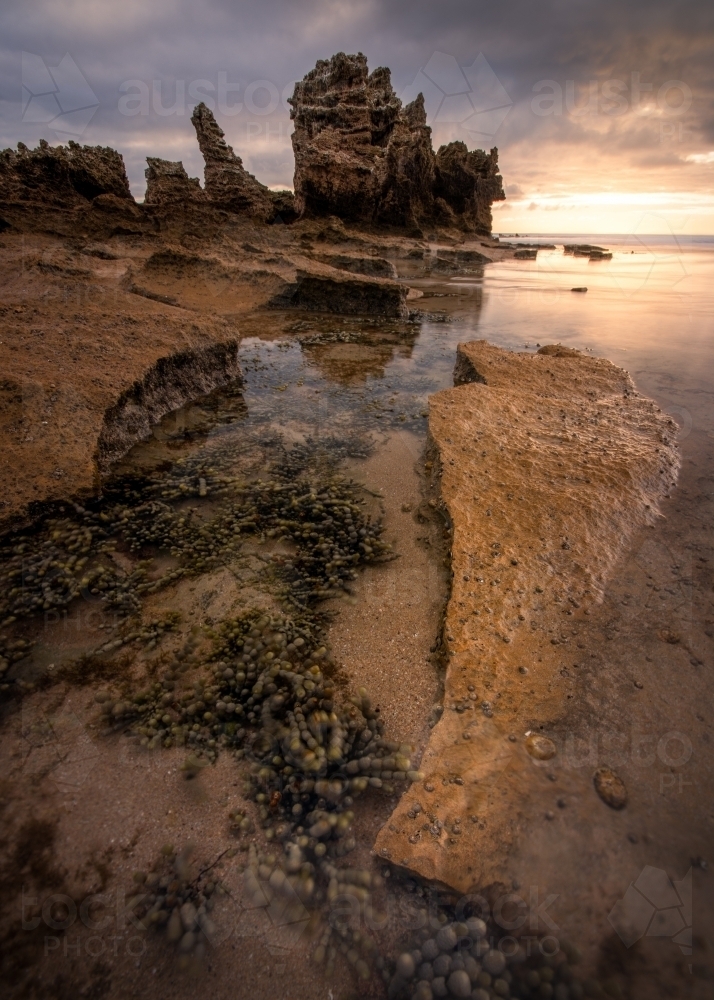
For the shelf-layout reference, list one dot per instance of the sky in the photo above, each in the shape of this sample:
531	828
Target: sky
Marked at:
603	113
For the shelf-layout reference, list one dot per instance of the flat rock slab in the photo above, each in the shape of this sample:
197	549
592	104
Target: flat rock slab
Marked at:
549	464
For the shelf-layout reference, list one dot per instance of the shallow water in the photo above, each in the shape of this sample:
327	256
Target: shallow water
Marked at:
355	392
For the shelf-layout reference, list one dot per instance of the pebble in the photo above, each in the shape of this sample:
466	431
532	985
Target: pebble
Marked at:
405	966
610	787
494	962
446	938
540	747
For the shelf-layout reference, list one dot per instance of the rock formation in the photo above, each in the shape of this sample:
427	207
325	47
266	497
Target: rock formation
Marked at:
361	155
467	184
227	183
540	518
74	190
373	267
168	384
66	176
168	183
317	287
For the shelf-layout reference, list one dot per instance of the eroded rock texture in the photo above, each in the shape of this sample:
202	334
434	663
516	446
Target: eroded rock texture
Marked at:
227	183
361	155
71	190
61	175
320	288
167	183
168	384
549	465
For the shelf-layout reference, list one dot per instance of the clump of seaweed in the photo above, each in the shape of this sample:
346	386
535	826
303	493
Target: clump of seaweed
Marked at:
268	695
457	955
62	558
177	903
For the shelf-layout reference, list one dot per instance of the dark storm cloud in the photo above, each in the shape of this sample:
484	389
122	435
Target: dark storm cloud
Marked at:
279	40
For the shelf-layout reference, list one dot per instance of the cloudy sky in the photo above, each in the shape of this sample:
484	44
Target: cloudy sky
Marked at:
603	112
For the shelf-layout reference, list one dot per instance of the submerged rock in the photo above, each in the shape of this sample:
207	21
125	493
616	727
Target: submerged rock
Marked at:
610	787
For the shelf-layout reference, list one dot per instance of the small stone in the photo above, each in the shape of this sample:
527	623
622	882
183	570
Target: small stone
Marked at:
446	938
610	787
540	747
442	966
476	927
430	950
550	815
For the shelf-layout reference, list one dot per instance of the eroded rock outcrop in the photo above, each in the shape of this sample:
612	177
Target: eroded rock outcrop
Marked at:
467	184
167	184
227	183
374	267
549	465
61	175
167	385
319	288
361	155
68	189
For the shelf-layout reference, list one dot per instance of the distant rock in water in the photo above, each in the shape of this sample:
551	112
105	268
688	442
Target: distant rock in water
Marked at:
363	156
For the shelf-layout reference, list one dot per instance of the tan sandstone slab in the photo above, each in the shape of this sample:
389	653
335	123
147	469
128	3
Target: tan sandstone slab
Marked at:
549	464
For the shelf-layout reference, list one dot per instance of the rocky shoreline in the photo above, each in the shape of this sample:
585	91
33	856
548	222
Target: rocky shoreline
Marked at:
89	274
540	472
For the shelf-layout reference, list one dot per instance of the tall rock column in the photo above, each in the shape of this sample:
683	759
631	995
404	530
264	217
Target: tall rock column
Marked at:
361	155
358	153
226	181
